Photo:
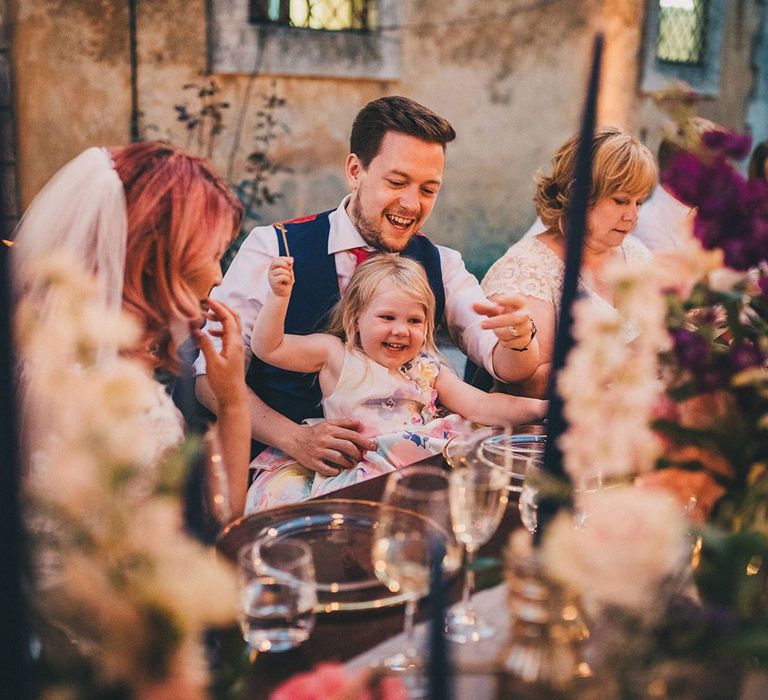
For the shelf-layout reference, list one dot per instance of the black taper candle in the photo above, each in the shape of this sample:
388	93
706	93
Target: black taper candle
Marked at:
439	666
14	680
576	224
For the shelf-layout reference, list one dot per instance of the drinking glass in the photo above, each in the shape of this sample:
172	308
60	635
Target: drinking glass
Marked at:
216	479
585	489
403	545
513	449
278	595
528	503
478	493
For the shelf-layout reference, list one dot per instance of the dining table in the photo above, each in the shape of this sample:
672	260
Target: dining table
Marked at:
341	635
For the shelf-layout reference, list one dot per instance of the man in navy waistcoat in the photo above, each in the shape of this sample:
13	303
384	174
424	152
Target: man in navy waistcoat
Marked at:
394	172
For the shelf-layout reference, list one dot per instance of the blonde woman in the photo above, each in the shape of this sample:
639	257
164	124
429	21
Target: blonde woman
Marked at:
378	364
624	173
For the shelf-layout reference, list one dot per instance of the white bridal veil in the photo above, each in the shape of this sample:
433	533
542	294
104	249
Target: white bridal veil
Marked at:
80	216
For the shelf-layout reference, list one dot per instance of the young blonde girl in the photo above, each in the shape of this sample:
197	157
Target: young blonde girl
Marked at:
377	364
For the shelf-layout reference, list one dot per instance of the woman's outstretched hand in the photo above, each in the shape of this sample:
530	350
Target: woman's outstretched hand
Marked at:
509	318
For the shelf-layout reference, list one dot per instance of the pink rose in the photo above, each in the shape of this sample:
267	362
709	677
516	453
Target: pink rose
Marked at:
325	681
331	681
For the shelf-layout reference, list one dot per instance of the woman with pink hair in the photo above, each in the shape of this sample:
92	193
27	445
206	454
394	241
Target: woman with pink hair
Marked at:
150	224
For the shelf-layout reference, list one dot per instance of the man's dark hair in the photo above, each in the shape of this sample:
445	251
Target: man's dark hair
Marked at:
399	114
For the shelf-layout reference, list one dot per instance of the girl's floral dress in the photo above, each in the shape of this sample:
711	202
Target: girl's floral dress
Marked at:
396	407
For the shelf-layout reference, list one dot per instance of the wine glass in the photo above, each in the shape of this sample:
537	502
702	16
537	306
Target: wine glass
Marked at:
478	492
532	482
414	524
586	488
216	479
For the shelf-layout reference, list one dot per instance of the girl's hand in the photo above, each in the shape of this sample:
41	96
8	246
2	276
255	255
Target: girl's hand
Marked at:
225	369
281	276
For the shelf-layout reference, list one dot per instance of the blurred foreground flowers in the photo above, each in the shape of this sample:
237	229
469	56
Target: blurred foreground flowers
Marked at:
331	681
120	595
684	410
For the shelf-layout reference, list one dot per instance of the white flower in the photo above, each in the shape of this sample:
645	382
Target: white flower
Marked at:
724	279
113	553
609	385
632	541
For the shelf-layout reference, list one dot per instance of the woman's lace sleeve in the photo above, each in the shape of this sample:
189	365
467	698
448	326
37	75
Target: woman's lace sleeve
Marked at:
636	251
527	268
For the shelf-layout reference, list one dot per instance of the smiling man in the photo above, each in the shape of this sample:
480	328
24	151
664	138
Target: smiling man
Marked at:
394	172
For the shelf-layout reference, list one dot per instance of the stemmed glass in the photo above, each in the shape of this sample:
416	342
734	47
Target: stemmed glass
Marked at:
414	525
586	489
532	482
478	491
216	479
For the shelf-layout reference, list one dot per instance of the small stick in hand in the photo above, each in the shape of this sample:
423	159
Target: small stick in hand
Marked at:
285	240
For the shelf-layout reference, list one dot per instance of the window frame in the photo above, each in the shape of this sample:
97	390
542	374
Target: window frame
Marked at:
703	77
237	46
284	18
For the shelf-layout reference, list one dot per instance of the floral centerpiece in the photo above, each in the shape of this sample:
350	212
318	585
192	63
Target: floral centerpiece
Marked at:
120	595
677	561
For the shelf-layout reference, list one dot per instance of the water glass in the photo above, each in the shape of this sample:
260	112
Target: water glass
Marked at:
513	450
278	595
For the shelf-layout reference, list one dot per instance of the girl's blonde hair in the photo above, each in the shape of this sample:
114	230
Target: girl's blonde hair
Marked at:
402	273
620	163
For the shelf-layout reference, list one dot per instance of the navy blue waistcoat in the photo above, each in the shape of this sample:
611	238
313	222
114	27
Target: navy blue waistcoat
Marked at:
315	292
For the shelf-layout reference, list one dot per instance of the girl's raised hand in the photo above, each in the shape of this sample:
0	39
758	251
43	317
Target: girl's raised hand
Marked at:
281	276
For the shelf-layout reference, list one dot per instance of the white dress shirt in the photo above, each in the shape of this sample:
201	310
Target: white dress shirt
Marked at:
245	286
664	223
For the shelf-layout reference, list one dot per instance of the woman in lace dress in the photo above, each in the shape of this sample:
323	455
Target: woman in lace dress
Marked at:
623	174
149	224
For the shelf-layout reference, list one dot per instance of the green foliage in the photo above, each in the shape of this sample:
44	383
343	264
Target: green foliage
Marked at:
162	640
732	573
203	115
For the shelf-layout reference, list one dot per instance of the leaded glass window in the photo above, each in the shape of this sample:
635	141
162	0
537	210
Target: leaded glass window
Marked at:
682	31
333	15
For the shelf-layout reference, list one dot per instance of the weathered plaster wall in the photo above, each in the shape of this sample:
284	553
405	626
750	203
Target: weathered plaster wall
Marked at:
737	76
510	75
72	82
513	84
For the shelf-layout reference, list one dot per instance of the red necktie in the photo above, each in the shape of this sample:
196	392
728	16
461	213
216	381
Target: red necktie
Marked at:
361	254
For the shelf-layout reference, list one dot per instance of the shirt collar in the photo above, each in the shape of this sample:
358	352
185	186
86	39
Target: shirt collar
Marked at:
343	235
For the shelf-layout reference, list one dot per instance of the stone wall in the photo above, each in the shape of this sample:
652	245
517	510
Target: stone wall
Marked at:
510	75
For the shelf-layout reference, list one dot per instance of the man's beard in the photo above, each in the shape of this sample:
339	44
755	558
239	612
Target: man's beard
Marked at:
370	231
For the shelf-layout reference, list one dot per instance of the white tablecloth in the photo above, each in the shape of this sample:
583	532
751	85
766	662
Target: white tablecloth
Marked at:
492	605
